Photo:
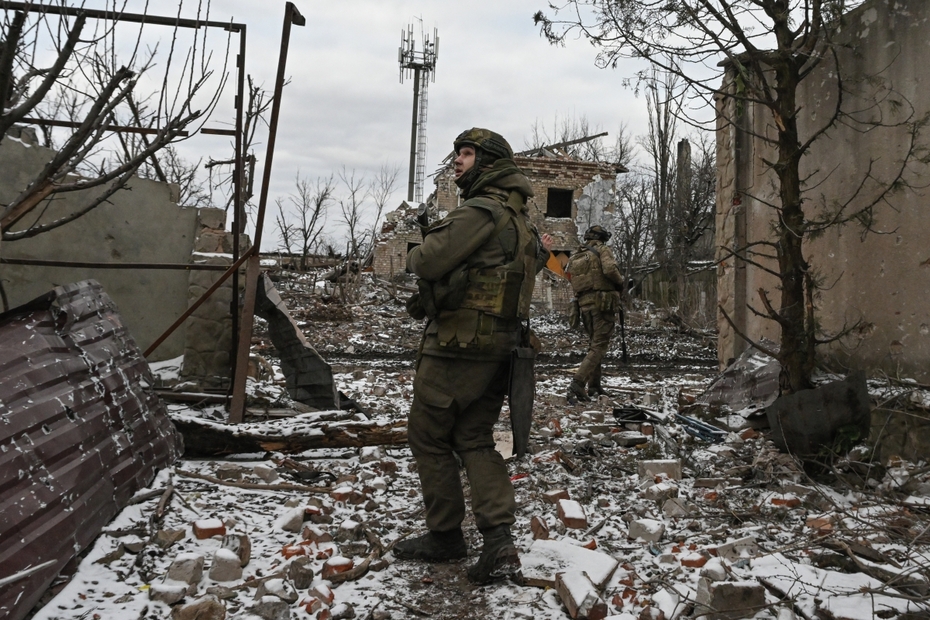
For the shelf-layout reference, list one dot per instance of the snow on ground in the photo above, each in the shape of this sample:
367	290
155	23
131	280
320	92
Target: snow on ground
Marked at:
740	514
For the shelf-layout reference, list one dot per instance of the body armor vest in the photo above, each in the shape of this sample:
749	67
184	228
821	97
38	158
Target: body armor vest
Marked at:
506	290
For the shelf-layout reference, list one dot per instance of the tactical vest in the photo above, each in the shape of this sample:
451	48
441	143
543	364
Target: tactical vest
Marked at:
506	290
585	273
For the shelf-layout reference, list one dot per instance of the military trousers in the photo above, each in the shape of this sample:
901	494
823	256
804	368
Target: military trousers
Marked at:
599	326
456	403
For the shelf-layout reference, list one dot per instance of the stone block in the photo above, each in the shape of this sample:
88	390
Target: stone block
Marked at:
580	596
724	600
226	566
167	593
241	545
678	507
324	593
661	491
370	454
546	558
628	439
186	567
266	472
279	588
271	608
316	534
212	218
669	468
571	513
648	530
714	570
292	520
206	608
230	471
539	528
732	551
300	572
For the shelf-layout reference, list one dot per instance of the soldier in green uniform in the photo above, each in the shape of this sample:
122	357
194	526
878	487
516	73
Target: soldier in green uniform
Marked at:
477	269
595	280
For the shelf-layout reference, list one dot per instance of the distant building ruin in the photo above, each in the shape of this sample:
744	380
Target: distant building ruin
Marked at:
559	184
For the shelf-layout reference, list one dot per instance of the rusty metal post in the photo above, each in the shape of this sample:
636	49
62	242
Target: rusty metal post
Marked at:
237	407
238	178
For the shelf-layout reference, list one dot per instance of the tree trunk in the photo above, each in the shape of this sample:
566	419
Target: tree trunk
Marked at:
797	344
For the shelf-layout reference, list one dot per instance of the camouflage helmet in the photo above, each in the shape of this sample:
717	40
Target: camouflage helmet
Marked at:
491	143
597	232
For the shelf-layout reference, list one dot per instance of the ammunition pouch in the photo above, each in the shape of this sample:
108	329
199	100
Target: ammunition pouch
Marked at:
496	290
607	301
447	293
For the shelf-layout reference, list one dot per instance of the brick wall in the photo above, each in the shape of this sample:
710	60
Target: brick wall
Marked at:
552	292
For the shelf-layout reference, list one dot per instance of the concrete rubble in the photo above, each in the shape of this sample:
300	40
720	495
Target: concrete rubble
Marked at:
669	526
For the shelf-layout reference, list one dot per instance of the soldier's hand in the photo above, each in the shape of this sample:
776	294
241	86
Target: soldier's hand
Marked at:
547	241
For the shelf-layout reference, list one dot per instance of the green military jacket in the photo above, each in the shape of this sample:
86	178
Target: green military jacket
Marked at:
467	236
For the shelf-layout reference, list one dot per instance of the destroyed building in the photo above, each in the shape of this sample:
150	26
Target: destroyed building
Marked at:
874	282
140	226
559	183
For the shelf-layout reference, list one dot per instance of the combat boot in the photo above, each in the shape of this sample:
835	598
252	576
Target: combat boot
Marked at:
499	557
576	392
594	385
433	547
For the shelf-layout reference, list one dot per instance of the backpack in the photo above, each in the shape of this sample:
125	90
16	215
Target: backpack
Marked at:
583	268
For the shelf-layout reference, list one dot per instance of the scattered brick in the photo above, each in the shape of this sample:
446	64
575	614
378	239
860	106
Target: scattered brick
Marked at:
208	528
539	528
555	495
335	566
571	513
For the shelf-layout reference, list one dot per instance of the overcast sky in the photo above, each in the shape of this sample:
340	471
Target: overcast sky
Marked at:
346	107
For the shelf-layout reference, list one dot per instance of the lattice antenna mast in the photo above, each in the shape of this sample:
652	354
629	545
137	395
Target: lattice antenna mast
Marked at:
422	66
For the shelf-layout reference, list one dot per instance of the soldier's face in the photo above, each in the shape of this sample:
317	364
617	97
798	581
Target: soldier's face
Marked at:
464	160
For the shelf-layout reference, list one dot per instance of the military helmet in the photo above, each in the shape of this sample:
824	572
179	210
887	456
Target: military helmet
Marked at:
491	143
597	232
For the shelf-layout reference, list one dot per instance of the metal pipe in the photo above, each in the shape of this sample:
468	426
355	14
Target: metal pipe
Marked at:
238	178
413	134
237	405
119	16
73	125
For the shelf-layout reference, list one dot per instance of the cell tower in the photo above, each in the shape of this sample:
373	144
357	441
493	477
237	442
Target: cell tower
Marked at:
422	65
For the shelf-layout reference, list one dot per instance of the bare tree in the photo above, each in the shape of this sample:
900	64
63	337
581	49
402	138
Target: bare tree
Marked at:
762	51
352	210
92	79
221	172
309	205
663	102
381	188
568	135
634	224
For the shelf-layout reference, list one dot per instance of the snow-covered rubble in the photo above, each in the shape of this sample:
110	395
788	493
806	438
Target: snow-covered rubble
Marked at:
662	526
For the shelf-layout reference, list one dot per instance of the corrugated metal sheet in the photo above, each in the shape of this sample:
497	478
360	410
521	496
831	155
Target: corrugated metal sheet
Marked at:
80	432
